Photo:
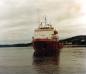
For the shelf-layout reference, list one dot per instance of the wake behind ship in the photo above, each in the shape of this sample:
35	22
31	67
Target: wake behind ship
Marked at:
46	40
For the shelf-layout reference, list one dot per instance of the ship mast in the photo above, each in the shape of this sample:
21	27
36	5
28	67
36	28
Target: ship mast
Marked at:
45	21
47	25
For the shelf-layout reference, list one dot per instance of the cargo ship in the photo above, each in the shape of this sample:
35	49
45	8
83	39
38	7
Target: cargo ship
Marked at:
45	40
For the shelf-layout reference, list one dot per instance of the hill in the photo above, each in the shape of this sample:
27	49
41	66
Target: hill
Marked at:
76	40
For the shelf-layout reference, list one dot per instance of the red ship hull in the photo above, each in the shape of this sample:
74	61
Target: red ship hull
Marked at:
46	46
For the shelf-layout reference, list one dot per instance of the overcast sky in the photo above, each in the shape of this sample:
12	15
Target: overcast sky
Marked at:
18	18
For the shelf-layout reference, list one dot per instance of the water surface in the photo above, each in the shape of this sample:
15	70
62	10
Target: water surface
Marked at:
21	61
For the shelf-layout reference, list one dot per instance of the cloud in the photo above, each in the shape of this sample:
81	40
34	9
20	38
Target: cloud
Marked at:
19	18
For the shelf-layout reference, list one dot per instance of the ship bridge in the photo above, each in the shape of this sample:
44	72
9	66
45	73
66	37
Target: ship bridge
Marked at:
45	32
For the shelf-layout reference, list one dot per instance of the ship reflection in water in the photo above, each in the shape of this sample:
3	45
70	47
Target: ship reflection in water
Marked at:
46	60
46	65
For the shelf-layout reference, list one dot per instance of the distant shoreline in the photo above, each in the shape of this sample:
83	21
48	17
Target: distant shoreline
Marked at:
16	45
74	45
30	44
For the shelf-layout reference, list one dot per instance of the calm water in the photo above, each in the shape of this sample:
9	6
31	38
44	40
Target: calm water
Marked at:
21	61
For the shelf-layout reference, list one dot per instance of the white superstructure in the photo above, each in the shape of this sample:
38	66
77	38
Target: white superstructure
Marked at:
45	32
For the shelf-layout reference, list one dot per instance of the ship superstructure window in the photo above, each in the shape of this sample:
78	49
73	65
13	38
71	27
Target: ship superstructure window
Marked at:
43	34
